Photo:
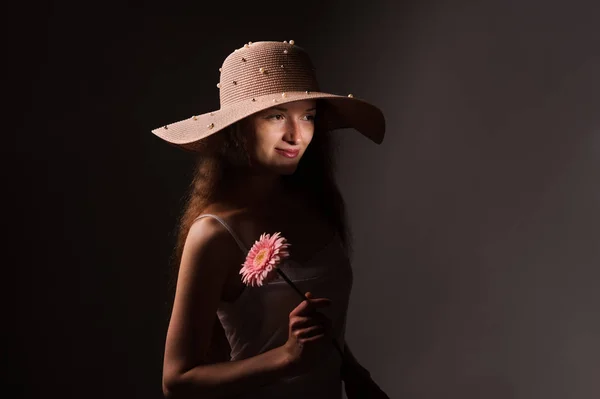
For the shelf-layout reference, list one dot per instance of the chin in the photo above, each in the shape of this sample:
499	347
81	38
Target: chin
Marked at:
278	167
288	170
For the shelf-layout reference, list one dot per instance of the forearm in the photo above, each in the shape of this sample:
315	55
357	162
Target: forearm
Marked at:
231	378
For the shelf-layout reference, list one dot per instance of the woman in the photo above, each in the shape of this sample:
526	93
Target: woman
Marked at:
268	170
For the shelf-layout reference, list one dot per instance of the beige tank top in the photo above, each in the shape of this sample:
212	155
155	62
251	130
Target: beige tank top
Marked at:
257	321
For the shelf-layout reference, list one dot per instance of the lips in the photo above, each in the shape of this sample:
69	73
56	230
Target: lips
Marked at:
288	153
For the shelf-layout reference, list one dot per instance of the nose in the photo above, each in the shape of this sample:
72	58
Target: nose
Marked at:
293	133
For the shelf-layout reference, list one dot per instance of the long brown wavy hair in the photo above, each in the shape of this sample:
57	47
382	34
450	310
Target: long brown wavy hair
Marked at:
221	156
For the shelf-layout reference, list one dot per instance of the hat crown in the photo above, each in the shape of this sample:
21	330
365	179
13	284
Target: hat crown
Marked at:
264	68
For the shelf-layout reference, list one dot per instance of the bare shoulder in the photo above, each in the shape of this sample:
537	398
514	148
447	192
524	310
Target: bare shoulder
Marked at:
204	230
209	240
239	219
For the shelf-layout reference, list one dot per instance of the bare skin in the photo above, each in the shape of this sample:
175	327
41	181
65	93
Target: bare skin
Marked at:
259	204
211	261
296	224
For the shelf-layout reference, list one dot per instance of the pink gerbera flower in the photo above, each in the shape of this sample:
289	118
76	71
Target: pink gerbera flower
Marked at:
263	258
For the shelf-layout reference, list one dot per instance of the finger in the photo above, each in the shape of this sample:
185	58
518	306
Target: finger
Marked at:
322	320
316	319
315	338
306	307
311	331
302	322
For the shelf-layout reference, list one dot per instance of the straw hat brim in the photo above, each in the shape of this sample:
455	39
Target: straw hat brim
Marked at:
341	112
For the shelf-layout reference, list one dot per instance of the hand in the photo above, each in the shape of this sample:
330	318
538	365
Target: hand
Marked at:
307	334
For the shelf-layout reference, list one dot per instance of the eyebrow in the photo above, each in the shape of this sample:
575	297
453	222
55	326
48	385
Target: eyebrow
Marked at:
285	109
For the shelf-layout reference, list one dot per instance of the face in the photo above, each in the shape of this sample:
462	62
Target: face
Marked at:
280	135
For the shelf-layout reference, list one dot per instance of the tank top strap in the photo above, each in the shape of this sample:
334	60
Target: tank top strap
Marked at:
235	237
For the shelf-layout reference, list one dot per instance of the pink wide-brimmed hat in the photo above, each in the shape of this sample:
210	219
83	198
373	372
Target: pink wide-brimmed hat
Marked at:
261	75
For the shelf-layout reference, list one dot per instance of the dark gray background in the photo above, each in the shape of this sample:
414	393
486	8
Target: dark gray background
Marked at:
476	223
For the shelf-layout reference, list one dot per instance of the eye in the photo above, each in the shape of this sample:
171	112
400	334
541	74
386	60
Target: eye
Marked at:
309	118
275	116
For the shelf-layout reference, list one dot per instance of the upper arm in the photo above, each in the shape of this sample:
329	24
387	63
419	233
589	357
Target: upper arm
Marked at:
209	254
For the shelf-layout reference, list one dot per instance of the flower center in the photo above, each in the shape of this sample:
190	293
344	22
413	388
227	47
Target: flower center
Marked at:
260	257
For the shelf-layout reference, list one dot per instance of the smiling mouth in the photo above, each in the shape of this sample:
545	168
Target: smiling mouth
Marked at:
288	153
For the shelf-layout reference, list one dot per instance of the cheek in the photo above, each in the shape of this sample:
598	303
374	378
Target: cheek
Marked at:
309	134
262	142
267	136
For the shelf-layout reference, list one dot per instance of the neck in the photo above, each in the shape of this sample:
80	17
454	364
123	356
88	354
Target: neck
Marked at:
253	190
